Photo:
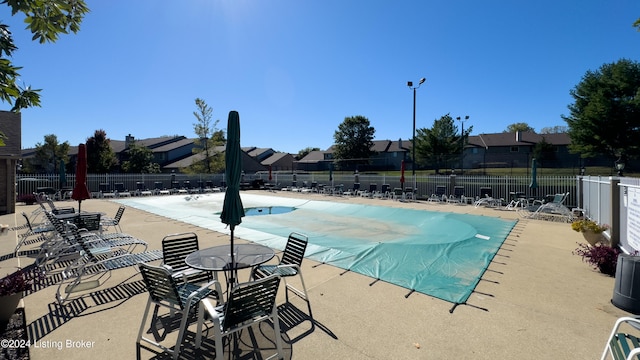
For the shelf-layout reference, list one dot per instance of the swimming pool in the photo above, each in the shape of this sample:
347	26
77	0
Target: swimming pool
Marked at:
436	253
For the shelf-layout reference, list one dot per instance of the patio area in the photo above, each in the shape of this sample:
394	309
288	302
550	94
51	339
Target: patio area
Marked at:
536	300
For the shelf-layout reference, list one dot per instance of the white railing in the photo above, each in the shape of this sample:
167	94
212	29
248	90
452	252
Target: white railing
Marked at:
503	187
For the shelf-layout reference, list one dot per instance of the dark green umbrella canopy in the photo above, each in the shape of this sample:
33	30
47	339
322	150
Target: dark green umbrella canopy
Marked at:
232	209
63	175
534	174
331	173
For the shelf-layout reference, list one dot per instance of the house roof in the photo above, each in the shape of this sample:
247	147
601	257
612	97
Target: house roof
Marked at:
274	158
509	139
380	145
256	152
168	146
151	143
186	161
397	146
313	156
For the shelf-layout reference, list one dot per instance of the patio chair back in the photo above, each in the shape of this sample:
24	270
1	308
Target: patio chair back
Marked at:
90	222
252	301
176	248
119	214
294	250
161	285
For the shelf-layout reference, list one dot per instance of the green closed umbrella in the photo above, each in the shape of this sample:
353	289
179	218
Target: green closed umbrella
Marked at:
331	173
534	176
232	209
63	175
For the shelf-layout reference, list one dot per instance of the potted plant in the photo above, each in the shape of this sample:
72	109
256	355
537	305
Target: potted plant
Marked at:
591	230
12	287
601	256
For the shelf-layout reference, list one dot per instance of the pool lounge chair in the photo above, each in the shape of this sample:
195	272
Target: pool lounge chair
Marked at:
41	231
458	196
439	195
121	191
105	191
94	265
409	194
397	194
488	201
554	210
625	344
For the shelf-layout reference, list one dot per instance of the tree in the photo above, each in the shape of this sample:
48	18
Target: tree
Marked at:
209	137
604	119
100	157
140	161
522	127
441	144
47	156
304	152
46	20
353	140
558	129
543	151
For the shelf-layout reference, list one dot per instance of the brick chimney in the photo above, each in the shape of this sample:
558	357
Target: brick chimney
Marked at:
128	141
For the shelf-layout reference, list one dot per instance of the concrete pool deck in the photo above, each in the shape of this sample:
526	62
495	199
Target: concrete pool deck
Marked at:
537	301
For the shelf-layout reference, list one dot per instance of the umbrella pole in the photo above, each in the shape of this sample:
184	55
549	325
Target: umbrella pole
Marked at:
233	264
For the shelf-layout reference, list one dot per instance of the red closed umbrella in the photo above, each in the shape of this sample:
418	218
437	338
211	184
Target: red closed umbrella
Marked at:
80	191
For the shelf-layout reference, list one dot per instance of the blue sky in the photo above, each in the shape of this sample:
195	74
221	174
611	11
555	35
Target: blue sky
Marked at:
295	69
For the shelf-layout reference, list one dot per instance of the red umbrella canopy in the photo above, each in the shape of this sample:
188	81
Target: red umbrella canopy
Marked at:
80	191
402	172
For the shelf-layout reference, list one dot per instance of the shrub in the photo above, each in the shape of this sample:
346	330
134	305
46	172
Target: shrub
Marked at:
28	199
602	257
18	282
583	225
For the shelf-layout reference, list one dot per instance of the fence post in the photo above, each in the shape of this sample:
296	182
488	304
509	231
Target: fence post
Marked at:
614	220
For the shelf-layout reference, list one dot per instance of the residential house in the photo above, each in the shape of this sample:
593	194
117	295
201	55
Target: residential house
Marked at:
517	150
481	151
10	153
279	161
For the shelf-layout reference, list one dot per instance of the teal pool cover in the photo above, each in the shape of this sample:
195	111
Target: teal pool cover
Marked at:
436	253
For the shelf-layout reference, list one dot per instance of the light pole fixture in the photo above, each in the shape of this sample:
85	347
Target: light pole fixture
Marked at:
462	140
413	140
619	166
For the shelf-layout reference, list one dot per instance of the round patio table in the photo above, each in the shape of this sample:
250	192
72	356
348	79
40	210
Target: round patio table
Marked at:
218	258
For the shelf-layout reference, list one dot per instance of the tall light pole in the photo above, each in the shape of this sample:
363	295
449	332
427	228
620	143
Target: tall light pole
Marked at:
462	140
413	140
